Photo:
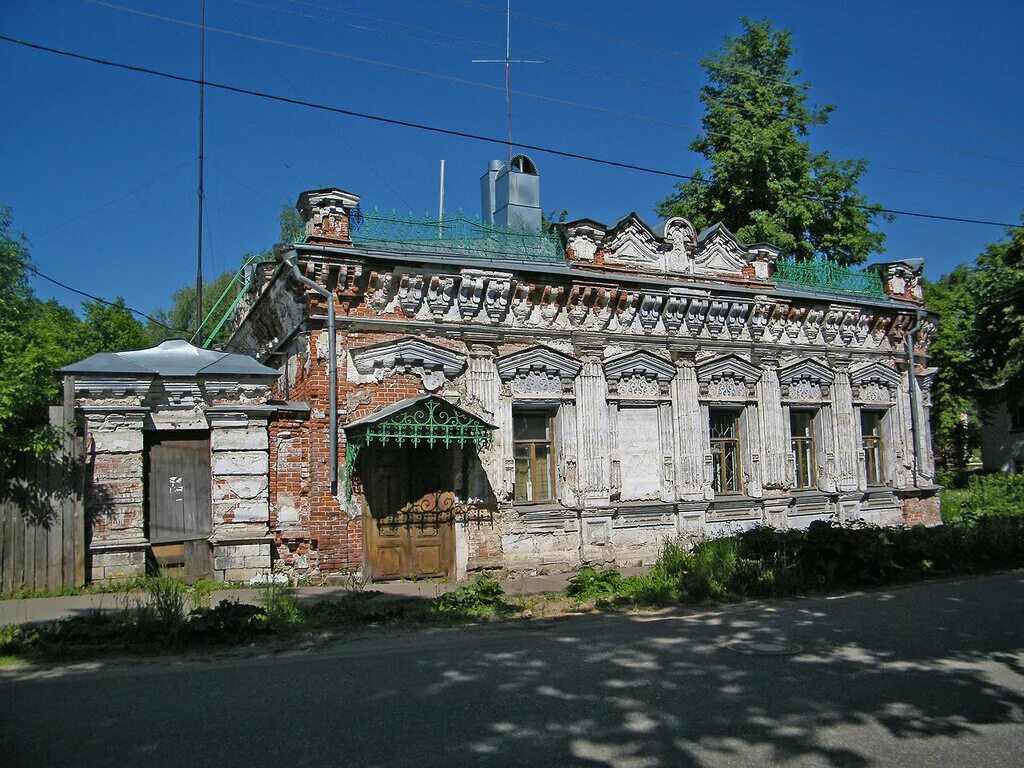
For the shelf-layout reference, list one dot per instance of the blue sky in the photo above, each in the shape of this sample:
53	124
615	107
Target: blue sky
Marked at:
100	171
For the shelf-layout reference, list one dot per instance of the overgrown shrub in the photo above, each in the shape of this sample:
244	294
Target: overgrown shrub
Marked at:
983	496
279	605
484	597
592	584
229	618
166	600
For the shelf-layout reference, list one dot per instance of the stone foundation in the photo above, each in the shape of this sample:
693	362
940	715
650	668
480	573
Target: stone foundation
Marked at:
110	564
242	561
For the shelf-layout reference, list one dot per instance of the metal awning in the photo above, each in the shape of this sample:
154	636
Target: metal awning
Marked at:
426	420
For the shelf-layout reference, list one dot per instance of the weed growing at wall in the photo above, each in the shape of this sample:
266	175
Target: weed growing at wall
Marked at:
765	562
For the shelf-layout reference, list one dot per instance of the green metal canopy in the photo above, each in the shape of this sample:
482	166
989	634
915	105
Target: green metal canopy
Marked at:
425	420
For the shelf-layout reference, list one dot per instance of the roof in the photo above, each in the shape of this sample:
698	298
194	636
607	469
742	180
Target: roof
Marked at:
173	358
410	402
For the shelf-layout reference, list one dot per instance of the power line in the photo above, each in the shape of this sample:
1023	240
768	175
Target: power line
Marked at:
460	134
526	94
67	287
635	44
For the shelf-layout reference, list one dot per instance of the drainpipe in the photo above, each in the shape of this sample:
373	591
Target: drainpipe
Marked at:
332	366
915	427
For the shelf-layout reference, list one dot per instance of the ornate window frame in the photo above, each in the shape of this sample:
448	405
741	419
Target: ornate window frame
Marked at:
537	372
806	382
638	377
875	385
727	379
434	364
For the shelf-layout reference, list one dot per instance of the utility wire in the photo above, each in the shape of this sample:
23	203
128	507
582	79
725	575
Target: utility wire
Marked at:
67	287
525	94
589	71
646	48
461	134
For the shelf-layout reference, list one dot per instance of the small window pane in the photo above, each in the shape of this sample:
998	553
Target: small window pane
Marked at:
723	424
542	472
531	426
801	423
522	455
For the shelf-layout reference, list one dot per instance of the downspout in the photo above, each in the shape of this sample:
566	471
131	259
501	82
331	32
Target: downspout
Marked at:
915	427
332	367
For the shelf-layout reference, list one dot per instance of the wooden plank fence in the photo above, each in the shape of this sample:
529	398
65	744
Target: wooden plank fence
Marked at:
42	521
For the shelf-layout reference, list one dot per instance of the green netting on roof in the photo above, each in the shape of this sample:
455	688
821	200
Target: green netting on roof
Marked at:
458	236
817	274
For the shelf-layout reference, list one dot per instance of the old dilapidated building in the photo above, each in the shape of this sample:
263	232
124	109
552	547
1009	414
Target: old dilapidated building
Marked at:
441	397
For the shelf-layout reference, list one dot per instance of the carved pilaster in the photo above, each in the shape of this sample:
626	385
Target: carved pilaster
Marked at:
592	433
483	396
689	432
847	450
774	449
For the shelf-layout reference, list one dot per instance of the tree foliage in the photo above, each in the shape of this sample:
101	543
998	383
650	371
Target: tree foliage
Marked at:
762	179
954	414
979	347
38	337
999	321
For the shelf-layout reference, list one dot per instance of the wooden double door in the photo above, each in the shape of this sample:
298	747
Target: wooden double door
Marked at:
410	512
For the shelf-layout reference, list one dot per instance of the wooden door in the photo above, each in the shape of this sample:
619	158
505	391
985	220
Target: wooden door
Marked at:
180	515
410	524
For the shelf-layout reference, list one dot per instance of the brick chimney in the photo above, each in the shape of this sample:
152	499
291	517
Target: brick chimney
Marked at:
326	215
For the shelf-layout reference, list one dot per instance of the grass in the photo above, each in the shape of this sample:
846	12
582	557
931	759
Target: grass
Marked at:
177	618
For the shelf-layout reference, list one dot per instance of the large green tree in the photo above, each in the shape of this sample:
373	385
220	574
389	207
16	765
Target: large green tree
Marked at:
38	337
999	320
761	178
954	413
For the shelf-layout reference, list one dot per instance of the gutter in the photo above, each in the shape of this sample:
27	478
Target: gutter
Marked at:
915	427
291	258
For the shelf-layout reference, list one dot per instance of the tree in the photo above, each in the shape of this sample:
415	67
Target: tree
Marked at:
999	319
37	338
954	415
762	180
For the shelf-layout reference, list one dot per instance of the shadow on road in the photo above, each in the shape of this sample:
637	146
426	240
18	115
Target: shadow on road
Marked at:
882	677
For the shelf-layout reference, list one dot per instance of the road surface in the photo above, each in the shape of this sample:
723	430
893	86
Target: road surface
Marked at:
926	675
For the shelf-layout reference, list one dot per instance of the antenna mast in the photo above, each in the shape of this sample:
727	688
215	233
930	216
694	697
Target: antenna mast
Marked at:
508	61
199	239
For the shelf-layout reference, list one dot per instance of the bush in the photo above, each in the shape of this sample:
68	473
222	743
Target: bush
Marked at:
984	496
228	618
484	597
279	606
166	600
591	584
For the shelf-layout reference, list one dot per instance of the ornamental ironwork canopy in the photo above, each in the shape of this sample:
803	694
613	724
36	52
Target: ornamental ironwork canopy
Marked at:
426	420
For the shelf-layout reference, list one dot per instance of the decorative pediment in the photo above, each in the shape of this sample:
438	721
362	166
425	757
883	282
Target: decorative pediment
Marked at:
538	370
631	241
728	377
874	383
434	364
805	380
640	363
719	251
639	374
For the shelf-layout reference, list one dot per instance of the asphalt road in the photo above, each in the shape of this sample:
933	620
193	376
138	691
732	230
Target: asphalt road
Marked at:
919	676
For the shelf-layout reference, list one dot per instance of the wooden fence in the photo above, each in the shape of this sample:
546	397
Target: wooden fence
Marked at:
42	521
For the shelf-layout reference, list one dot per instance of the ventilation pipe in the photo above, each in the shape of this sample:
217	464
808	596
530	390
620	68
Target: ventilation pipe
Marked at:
292	260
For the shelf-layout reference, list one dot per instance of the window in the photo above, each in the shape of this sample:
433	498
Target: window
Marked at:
532	448
871	437
725	448
801	427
